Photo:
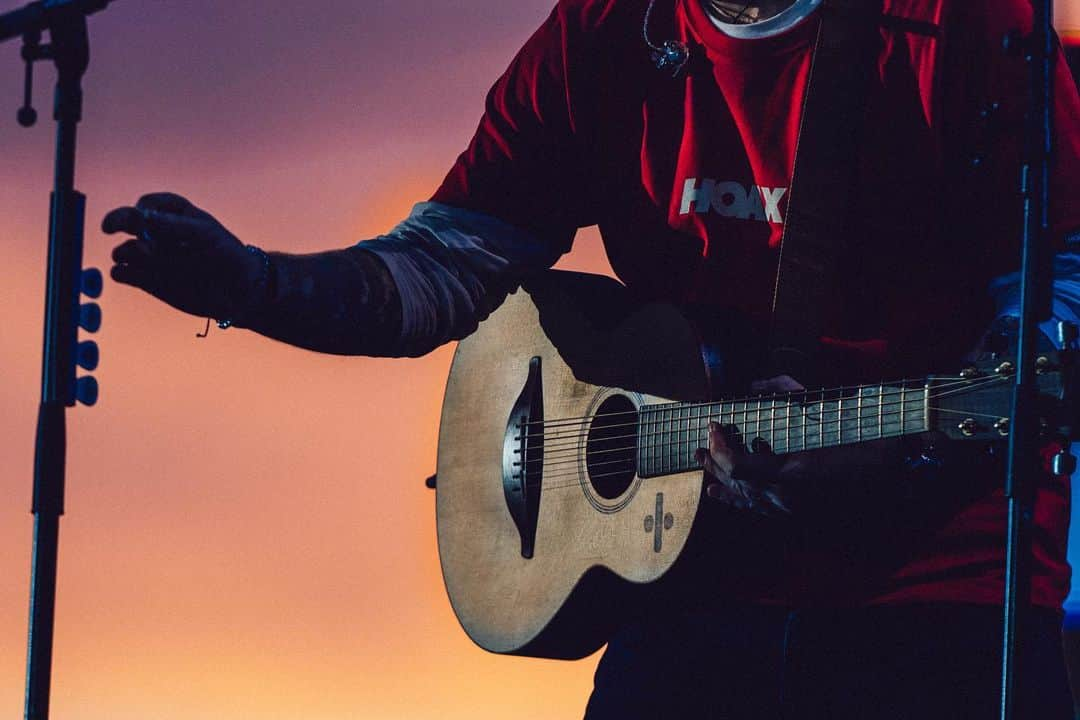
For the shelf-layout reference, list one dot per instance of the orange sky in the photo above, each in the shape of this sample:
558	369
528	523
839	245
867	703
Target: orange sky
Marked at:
247	533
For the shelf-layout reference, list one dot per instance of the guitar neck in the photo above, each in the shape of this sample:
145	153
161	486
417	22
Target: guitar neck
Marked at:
669	434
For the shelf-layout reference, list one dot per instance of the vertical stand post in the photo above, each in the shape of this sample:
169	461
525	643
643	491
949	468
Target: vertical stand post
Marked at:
70	50
1036	286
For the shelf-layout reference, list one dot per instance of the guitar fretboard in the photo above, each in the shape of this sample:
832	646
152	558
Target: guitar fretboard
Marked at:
669	434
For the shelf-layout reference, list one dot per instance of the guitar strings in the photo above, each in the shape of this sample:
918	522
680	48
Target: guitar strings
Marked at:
569	445
891	395
821	428
561	439
890	386
819	442
780	448
886	390
772	417
790	410
574	457
580	477
792	399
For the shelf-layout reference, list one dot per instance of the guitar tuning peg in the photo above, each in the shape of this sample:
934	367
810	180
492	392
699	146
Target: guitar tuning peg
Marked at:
87	355
1067	334
91	282
86	390
1063	463
90	317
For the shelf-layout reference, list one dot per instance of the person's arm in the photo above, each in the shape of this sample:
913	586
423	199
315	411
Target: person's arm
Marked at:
1065	301
430	280
511	203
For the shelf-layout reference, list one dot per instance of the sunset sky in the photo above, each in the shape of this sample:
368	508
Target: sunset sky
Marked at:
248	534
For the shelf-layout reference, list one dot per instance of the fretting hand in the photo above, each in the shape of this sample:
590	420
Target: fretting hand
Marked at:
748	482
790	485
183	256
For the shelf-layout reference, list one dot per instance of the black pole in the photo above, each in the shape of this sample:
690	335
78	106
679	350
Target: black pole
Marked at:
1024	466
69	49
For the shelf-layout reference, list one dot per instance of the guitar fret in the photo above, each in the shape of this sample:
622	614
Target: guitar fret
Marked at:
858	416
676	437
655	437
821	422
673	439
880	431
643	442
684	430
787	424
665	439
698	412
758	421
652	443
665	436
669	439
772	421
925	395
903	397
658	439
688	449
840	417
804	418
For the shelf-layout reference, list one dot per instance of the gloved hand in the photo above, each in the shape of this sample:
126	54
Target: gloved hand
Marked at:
182	255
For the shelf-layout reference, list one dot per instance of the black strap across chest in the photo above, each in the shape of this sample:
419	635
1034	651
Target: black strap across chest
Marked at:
826	161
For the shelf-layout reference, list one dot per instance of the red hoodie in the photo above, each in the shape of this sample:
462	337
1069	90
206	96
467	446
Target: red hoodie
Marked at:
688	180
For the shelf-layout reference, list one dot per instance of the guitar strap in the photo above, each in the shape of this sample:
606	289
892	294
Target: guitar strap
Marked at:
826	160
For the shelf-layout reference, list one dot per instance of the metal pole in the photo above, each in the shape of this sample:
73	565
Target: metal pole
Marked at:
69	49
1024	468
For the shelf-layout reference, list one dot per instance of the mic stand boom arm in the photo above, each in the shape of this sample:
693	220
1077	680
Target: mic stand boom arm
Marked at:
39	16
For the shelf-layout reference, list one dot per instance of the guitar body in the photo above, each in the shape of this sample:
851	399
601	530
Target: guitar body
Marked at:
561	495
593	536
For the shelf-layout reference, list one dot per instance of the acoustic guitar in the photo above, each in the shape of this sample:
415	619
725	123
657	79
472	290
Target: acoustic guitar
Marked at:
555	495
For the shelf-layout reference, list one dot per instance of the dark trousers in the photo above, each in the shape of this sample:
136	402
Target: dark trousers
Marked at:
889	663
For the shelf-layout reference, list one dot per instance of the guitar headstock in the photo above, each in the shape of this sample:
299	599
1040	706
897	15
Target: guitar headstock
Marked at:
976	403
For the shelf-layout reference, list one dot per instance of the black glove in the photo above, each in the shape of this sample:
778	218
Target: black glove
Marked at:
185	257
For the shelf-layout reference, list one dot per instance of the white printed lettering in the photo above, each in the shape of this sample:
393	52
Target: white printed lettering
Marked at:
755	208
772	197
699	198
730	200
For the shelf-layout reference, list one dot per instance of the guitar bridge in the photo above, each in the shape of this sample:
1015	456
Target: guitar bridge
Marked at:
523	458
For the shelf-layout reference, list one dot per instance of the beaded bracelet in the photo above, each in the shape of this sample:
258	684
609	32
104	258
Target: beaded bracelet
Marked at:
260	284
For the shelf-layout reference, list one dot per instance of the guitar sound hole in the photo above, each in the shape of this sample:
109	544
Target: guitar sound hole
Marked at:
611	447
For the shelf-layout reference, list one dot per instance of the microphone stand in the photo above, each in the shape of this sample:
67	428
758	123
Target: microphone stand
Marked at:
1024	466
69	49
